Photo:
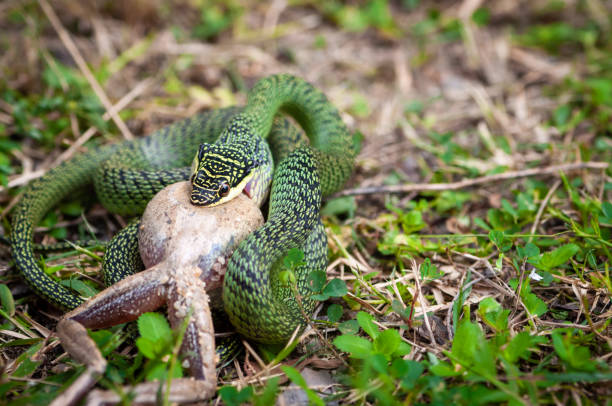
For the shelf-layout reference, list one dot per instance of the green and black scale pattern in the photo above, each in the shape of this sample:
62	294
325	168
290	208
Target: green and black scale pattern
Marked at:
128	161
257	303
127	175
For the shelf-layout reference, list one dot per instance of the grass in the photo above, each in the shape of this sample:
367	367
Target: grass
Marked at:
493	294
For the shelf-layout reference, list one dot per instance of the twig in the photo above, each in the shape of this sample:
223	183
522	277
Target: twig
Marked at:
91	131
309	321
116	108
543	205
254	354
78	58
419	293
424	187
24	178
272	15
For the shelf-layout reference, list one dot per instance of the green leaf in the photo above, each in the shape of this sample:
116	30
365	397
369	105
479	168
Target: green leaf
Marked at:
83	288
366	322
606	209
73	208
340	206
534	304
232	397
449	200
520	345
50	220
351	19
481	223
458	304
335	288
358	347
284	352
294	258
561	115
403	349
287	278
148	348
509	209
466	342
574	356
154	327
6	298
592	261
59	233
105	340
408	371
525	203
530	250
444	369
216	17
557	257
349	327
399	308
387	342
496	237
269	394
499	239
488	305
499	219
481	16
21	341
412	221
493	314
334	313
429	271
379	363
471	350
316	280
6	144
158	371
414	106
27	363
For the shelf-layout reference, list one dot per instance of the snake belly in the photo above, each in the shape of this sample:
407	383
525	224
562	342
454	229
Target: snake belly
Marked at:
127	175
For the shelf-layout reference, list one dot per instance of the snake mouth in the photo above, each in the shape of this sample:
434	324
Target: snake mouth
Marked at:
203	197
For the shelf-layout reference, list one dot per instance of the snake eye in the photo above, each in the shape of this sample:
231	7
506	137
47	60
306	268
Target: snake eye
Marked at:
224	189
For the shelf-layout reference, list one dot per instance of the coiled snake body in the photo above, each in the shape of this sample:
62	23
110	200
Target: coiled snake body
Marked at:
232	156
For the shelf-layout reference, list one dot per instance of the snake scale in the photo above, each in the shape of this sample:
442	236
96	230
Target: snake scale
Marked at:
236	150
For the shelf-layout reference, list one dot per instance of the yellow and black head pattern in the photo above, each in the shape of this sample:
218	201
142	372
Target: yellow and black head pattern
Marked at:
220	172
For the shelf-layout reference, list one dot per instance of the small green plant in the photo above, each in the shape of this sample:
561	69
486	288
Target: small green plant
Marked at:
156	343
556	36
358	17
42	117
216	17
249	395
379	360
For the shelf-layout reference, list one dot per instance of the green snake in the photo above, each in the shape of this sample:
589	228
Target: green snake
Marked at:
236	150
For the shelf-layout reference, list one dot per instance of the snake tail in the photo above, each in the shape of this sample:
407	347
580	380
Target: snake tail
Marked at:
126	175
39	196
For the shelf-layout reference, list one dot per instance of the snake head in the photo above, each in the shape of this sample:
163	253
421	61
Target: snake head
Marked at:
219	173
